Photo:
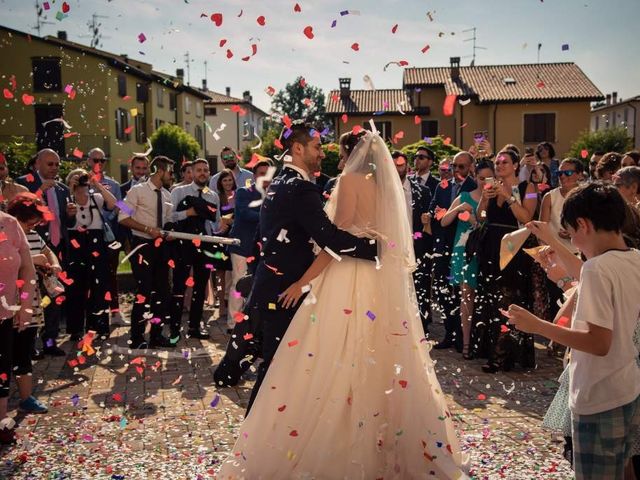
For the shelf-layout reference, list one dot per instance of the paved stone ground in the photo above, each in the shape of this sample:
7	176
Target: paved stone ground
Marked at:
124	414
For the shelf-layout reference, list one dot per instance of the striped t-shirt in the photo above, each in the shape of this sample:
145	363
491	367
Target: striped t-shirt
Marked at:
36	247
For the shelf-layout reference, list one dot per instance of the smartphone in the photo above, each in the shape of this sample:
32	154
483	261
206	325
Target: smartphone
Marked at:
479	137
528	151
490	181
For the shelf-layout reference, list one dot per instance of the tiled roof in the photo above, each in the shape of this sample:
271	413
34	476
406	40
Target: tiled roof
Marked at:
509	83
368	101
220	98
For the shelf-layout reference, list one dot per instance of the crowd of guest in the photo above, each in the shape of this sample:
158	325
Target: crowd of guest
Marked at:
62	242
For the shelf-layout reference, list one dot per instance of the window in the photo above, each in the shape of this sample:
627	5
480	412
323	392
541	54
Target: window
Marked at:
210	111
141	129
383	127
198	109
429	128
187	127
198	134
122	125
173	101
539	127
122	86
187	104
142	92
160	97
159	123
47	76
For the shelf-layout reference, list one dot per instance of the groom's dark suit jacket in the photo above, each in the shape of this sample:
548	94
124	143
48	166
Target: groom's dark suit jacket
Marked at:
291	217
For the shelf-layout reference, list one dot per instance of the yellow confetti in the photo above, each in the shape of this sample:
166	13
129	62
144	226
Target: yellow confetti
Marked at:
272	306
134	112
46	301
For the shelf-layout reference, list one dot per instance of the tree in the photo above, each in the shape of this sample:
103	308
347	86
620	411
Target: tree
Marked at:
173	142
615	139
301	101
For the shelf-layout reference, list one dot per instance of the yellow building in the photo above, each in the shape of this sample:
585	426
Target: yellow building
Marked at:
106	100
520	104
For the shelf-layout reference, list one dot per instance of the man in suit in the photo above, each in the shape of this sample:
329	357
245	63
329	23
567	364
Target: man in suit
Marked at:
196	209
446	295
418	199
291	216
242	176
139	168
245	224
423	161
55	233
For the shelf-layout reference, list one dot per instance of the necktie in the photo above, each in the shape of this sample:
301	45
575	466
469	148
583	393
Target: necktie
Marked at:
54	224
158	208
200	193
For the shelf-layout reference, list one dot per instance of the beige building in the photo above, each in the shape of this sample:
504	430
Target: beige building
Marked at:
107	100
520	104
242	121
616	112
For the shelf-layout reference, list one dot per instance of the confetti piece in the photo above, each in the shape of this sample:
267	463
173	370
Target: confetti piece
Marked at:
7	94
142	38
449	105
464	216
425	49
355	47
565	47
403	383
293	433
333	254
282	408
504	329
215	401
261	20
27	99
296	8
308	31
481	396
394	29
584	153
563	321
371	315
217	19
65	7
292	343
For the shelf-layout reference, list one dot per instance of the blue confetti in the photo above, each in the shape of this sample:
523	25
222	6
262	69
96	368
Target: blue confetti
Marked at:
344	12
215	401
334	23
325	132
371	315
565	47
75	399
287	133
124	207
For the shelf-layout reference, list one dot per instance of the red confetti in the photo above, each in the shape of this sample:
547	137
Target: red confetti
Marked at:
482	396
196	242
449	105
563	321
128	130
464	216
347	311
223	42
296	8
261	20
292	343
65	7
229	53
447	141
356	129
355	47
157	242
344	118
217	19
140	298
117	397
540	84
584	153
303	82
107	296
7	94
171	263
440	212
308	31
27	99
293	433
189	282
3	377
278	143
394	29
78	153
281	408
425	49
247	336
504	329
403	383
417	120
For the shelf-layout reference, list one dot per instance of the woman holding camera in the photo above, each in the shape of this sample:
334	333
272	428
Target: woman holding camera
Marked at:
504	205
87	295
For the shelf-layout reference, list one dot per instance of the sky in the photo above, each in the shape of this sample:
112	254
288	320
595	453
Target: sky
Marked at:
601	35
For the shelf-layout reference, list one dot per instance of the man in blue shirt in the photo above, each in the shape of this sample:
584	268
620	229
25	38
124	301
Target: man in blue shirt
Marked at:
196	209
96	161
243	177
245	225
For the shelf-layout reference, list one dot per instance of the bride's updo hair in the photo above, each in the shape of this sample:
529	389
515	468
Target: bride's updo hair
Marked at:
349	140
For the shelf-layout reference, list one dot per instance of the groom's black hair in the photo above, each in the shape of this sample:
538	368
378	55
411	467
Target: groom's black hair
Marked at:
299	132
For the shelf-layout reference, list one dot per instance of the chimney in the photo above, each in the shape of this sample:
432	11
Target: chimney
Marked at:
608	99
62	35
180	74
614	97
455	68
228	91
204	84
345	87
246	95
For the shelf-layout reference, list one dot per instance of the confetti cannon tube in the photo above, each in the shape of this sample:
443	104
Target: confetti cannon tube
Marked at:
202	238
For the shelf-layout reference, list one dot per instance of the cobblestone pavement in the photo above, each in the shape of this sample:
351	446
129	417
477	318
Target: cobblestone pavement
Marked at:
125	414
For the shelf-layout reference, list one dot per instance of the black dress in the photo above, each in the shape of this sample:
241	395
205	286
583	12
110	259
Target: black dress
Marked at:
492	337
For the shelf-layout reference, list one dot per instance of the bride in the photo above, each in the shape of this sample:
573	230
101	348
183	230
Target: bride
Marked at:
352	392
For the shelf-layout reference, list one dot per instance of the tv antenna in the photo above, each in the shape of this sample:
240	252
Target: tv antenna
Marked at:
187	59
94	30
475	46
39	20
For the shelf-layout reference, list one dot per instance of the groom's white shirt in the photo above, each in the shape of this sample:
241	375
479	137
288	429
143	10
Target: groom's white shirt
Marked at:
304	174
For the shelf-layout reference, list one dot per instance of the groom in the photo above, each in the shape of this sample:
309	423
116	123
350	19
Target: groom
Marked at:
291	217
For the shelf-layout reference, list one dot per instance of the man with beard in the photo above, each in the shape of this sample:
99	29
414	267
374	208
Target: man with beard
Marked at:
243	177
147	207
196	209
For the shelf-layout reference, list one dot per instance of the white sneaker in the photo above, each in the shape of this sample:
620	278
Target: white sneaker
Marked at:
118	319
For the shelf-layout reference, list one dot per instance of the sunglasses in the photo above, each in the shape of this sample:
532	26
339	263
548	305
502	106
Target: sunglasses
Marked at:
228	157
568	173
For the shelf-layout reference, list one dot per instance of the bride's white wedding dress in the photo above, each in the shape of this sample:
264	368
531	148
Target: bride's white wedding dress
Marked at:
351	392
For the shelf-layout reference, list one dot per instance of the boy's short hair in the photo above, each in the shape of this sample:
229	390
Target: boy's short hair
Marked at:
262	163
597	202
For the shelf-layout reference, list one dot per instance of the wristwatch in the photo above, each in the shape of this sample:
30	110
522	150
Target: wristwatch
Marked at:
564	282
511	200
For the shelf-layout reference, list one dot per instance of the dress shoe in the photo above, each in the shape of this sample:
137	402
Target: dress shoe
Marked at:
197	333
161	342
37	354
54	351
443	345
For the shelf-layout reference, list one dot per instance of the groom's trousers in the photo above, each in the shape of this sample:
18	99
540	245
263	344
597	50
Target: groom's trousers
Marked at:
273	324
